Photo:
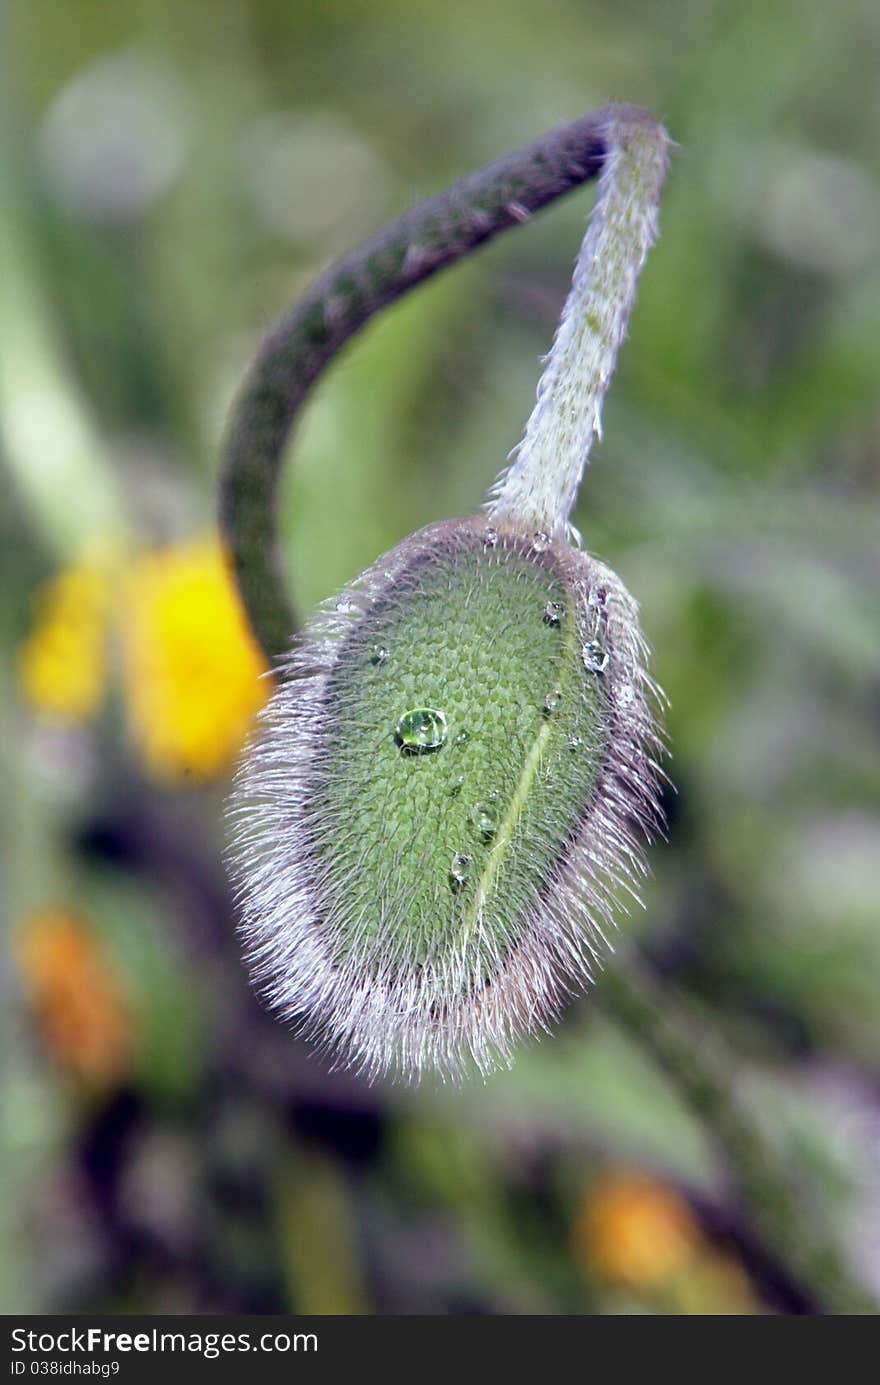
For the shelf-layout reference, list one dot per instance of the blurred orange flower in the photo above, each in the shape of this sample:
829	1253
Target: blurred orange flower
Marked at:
635	1231
191	669
63	663
77	998
639	1235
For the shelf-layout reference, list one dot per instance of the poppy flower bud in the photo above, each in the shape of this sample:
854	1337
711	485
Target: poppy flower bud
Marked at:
448	786
454	775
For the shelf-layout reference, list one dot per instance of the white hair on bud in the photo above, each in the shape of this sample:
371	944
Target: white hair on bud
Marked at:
362	1006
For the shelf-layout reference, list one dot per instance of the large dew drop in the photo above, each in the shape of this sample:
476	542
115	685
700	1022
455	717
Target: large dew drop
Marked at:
421	729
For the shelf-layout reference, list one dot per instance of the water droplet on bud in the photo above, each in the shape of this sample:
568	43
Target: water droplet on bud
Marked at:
421	729
485	817
553	612
595	656
596	605
552	701
379	654
540	541
459	870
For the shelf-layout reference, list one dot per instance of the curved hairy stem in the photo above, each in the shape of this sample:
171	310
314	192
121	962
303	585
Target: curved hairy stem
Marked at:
630	149
541	485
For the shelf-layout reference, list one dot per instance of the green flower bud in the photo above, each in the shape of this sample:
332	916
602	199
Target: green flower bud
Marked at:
456	769
428	840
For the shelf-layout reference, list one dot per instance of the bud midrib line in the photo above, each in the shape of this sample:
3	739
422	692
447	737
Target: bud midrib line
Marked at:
519	798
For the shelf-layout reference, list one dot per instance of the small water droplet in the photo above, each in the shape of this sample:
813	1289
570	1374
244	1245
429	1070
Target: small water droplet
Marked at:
421	729
345	606
596	605
540	541
379	654
490	536
624	695
595	656
553	612
485	817
460	869
463	737
575	742
552	701
456	786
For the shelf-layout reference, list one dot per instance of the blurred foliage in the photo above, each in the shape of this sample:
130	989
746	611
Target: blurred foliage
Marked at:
171	176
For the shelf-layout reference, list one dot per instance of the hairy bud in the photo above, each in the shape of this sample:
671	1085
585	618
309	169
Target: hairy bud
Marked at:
446	789
456	769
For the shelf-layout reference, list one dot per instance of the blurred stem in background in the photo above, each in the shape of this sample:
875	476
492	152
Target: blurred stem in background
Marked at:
705	1076
49	444
427	238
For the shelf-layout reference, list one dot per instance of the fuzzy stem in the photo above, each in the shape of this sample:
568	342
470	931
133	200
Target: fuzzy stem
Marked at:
541	485
430	236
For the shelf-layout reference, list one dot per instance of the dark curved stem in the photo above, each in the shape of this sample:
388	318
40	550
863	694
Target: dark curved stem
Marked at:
425	239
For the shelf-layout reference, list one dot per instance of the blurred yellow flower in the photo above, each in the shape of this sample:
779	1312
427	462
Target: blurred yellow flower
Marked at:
191	669
635	1231
63	664
77	997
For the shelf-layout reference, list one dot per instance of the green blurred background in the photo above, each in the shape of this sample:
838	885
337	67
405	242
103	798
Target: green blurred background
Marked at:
173	174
